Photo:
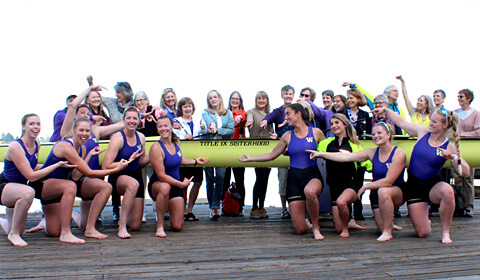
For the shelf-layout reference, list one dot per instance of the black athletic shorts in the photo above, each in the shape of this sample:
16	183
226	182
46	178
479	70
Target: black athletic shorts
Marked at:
418	190
298	179
196	172
174	191
135	174
38	187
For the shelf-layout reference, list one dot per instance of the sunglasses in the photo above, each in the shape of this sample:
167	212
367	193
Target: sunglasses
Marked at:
304	95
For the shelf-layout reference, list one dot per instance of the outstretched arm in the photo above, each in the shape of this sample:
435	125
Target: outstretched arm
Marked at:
277	150
359	156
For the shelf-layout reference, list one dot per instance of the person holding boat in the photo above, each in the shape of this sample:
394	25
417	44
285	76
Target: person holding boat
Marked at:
429	154
304	181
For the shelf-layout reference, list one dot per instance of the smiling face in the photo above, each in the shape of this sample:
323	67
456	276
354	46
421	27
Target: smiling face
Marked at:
121	97
213	100
141	103
287	96
187	110
291	117
352	101
380	135
32	127
338	103
422	103
393	94
235	100
338	127
131	120
462	100
436	124
262	102
93	99
81	133
170	100
164	128
327	100
438	99
82	112
307	94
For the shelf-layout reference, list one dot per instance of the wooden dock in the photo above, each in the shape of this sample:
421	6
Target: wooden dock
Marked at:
243	248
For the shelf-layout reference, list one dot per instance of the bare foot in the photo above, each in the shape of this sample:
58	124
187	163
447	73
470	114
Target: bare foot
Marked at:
345	233
123	233
70	238
446	238
309	225
317	235
76	217
395	227
40	226
385	237
4	225
95	234
16	240
161	233
352	224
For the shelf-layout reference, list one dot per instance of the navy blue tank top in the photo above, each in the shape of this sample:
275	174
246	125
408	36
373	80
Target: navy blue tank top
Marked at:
299	157
426	161
171	162
94	162
59	173
11	171
380	169
127	151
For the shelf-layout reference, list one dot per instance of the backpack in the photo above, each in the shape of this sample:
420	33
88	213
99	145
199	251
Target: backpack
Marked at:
231	204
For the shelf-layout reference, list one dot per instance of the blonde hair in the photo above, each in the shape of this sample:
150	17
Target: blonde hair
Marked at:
451	119
221	108
350	130
430	106
307	108
388	127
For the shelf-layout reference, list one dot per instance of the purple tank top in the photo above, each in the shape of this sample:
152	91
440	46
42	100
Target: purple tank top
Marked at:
426	162
127	151
11	171
297	147
171	162
380	169
59	173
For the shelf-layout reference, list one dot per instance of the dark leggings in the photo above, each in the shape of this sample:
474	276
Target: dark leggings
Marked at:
239	173
260	187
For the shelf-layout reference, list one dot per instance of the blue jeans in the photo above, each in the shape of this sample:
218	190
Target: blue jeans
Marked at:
214	177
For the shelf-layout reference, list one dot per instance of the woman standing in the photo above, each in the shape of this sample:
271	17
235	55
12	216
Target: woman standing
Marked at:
128	144
254	118
339	103
388	168
304	182
189	129
166	187
425	107
219	121
235	104
429	154
341	176
21	159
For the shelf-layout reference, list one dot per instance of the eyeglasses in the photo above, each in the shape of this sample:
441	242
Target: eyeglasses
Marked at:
304	95
140	100
378	103
234	98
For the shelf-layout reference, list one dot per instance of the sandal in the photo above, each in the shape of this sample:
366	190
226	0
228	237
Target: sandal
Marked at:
190	217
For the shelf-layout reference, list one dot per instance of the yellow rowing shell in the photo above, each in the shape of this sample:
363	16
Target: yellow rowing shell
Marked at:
225	152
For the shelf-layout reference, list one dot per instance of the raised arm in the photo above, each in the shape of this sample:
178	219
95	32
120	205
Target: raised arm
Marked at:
104	131
414	130
408	103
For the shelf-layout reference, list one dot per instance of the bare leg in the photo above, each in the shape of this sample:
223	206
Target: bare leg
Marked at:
419	216
347	197
126	186
388	199
161	191
100	191
297	211
175	206
443	194
312	191
40	226
20	197
192	198
59	215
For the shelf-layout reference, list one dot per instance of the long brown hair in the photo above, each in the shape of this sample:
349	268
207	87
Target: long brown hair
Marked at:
351	133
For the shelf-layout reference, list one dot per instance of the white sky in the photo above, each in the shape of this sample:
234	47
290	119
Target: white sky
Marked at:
49	47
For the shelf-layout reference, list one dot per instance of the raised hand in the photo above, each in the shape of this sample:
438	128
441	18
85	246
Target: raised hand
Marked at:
245	158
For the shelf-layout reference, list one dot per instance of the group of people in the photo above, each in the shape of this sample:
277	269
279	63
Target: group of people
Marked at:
73	169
